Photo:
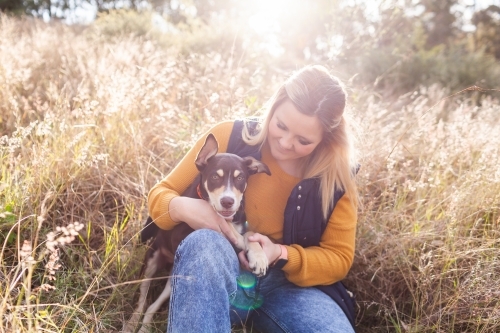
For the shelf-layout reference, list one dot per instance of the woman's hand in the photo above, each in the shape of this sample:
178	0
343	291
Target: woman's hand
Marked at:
272	250
199	214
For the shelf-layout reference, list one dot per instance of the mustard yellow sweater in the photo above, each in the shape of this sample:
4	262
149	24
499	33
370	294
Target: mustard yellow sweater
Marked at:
265	201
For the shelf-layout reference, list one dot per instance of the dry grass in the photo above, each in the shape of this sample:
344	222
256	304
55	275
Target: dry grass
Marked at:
427	253
89	124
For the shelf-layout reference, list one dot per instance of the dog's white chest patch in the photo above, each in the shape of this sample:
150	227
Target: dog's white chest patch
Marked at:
239	227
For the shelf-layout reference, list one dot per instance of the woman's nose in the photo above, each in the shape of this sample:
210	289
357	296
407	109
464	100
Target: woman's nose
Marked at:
286	143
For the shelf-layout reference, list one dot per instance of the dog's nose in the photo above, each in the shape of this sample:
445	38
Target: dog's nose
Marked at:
227	202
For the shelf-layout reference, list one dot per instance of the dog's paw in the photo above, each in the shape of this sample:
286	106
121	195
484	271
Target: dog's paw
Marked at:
257	261
144	329
129	327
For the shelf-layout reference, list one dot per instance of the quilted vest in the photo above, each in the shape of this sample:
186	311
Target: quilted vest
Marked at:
303	221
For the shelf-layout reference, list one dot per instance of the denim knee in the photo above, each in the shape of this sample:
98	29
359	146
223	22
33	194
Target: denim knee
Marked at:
203	283
208	248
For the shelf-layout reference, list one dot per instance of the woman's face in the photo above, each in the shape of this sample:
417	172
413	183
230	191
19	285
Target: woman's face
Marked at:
293	135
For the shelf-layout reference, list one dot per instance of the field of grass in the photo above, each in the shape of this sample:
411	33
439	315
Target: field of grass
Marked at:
88	124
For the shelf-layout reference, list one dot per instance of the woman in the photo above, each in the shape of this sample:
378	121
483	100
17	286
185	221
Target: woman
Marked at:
304	215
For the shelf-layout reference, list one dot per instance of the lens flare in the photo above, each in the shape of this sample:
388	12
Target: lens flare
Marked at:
247	280
247	297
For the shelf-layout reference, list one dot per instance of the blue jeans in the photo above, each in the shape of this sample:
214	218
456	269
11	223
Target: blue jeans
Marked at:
210	294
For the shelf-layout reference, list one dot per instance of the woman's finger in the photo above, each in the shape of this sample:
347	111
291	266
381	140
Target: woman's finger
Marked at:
244	261
271	249
261	239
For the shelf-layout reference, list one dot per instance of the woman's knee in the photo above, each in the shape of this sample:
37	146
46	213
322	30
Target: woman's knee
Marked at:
208	247
296	309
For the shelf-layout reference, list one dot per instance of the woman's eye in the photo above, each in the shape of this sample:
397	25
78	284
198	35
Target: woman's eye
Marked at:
304	143
281	126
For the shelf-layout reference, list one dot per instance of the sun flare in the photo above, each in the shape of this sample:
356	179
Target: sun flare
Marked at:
269	18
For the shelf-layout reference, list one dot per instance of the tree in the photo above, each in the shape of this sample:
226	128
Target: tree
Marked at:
438	21
15	6
487	34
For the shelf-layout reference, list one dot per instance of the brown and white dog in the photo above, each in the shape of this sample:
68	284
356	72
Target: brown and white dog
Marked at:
222	181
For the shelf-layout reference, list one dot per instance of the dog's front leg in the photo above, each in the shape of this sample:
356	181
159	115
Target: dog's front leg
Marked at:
240	241
257	259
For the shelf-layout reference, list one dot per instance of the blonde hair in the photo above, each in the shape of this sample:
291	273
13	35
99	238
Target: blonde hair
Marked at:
315	92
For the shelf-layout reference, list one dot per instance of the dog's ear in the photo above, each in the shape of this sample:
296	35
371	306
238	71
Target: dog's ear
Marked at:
208	150
255	166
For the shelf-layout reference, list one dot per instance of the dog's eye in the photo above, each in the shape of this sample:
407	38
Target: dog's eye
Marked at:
240	178
215	177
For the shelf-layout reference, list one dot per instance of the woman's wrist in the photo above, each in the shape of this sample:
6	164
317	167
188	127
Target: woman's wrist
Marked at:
282	253
175	209
277	252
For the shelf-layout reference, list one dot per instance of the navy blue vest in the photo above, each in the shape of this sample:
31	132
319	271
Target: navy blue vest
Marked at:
303	221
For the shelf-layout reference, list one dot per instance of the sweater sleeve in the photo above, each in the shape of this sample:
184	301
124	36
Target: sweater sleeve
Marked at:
179	179
331	260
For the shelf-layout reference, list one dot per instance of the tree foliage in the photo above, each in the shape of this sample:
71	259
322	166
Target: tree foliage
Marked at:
404	44
438	21
487	34
14	6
